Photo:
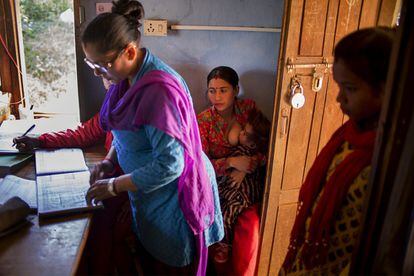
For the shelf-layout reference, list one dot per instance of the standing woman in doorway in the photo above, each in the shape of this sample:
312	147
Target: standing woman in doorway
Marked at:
171	184
331	199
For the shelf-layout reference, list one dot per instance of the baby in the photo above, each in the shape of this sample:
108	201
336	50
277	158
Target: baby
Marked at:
249	141
239	190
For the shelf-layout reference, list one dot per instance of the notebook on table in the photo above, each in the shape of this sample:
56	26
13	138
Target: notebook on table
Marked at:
62	179
13	162
59	161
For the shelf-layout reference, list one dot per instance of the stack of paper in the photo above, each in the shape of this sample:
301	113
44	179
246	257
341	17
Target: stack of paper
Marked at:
12	186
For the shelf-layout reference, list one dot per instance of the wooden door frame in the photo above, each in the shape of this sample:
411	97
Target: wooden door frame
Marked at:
273	183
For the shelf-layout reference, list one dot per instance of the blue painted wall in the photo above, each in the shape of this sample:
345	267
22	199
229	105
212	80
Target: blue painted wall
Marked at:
194	53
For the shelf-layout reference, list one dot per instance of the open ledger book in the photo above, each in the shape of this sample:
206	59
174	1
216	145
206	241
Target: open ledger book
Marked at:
62	179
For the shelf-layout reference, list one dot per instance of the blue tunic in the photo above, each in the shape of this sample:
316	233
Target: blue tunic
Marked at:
155	160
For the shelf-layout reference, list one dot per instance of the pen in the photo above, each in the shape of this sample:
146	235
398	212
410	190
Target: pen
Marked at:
27	131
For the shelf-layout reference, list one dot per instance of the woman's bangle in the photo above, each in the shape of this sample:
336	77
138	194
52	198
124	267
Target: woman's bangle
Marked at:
111	186
115	190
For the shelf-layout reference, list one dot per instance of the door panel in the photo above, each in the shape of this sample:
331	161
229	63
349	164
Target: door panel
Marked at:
298	139
348	18
286	218
318	114
314	20
330	27
369	17
332	114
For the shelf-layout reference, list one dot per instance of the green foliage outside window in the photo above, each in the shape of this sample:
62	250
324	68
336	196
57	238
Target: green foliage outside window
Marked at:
47	42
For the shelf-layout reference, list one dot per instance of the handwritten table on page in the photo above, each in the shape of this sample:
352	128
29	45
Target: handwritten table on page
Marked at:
62	193
62	182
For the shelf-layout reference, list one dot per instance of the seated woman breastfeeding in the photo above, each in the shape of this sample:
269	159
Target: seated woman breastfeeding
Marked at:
239	190
170	183
220	126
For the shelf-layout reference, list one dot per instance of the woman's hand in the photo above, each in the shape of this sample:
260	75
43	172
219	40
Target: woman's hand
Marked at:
26	143
241	163
237	177
101	170
98	191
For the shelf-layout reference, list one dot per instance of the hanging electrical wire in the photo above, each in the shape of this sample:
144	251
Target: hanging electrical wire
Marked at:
9	54
15	64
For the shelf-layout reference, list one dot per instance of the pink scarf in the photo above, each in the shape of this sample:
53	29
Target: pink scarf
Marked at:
159	100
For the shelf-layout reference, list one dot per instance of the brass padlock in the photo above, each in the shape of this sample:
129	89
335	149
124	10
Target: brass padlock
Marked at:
317	81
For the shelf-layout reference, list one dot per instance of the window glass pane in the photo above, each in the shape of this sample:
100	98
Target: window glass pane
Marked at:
49	50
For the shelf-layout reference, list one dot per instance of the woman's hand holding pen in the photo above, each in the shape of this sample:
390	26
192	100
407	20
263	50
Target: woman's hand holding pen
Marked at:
26	143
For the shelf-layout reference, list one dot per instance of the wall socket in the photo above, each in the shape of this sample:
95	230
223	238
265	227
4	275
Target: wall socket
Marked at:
155	27
103	7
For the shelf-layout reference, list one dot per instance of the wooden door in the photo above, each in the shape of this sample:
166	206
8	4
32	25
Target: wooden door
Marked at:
311	28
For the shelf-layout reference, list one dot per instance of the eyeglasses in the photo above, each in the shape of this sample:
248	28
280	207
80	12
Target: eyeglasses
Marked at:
103	68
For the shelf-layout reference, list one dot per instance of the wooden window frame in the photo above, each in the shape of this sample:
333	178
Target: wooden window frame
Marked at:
11	78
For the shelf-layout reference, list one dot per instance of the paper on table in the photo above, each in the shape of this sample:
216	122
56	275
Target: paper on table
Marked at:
59	161
63	193
8	131
6	144
42	125
15	186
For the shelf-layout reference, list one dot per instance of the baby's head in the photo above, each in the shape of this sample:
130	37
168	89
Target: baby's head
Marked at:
247	136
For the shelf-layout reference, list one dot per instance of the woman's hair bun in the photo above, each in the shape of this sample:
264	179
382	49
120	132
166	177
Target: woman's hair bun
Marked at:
131	9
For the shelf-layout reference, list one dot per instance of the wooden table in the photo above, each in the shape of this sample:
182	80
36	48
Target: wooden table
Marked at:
53	247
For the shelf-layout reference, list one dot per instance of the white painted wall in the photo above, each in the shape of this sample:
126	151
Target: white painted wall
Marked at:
194	53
